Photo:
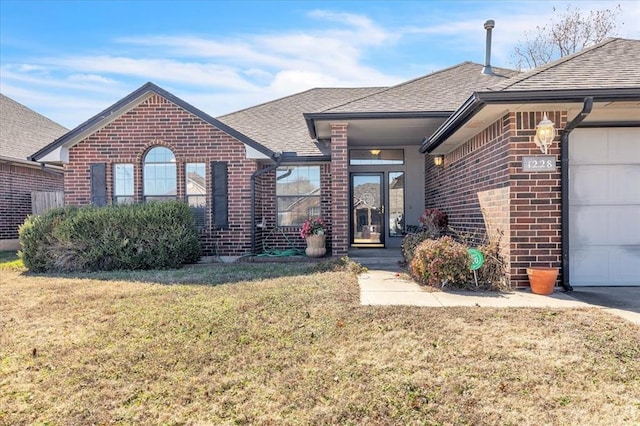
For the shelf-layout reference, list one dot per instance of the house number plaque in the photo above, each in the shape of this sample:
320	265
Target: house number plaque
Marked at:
539	163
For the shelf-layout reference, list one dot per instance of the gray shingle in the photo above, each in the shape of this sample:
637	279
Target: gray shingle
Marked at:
442	90
24	131
613	63
279	124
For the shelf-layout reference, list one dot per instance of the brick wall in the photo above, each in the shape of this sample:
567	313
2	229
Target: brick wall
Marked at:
486	173
158	122
339	190
476	166
535	200
16	184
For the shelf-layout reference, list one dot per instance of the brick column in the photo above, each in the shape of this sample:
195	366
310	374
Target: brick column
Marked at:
339	190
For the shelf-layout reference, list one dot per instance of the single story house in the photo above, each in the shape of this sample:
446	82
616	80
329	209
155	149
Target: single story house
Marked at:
23	131
363	159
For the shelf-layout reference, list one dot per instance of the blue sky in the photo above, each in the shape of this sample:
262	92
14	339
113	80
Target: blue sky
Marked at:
68	60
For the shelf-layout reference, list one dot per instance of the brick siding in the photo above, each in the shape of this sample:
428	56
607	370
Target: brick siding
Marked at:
158	122
339	190
485	170
16	184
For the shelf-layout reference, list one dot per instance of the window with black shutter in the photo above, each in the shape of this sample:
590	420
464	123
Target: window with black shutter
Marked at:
98	184
219	197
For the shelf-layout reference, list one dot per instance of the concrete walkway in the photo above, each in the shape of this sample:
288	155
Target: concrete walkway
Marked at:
386	284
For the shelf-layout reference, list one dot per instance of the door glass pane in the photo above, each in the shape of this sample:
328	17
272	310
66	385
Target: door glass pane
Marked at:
367	209
396	204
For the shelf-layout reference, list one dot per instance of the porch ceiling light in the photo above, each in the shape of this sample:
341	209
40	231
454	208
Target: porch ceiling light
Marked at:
375	151
438	160
545	132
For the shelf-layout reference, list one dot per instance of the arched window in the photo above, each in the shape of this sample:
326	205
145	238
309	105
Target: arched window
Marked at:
160	177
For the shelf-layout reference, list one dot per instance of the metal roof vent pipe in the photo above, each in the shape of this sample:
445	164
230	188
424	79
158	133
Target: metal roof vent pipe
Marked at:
489	25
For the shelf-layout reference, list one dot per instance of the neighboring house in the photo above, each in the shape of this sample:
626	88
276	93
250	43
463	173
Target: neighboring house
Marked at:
22	131
356	157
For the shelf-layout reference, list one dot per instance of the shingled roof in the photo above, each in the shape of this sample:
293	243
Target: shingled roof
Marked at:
24	131
442	90
613	63
279	124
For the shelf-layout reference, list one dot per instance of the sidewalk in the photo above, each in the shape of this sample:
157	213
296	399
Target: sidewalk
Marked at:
390	286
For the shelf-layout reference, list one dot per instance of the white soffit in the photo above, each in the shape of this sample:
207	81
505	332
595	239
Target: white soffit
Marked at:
253	154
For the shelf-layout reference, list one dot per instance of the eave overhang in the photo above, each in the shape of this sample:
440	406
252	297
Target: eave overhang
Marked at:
493	104
312	119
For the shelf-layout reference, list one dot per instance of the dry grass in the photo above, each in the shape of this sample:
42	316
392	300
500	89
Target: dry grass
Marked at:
298	349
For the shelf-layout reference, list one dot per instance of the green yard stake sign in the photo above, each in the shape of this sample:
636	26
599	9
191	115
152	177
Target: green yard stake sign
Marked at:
477	259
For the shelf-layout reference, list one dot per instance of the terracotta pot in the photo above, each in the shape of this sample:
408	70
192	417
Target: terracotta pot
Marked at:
316	246
542	279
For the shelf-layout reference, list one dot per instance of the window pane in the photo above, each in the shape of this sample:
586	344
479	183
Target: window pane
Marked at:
160	177
196	178
359	157
297	194
123	183
292	211
160	154
396	204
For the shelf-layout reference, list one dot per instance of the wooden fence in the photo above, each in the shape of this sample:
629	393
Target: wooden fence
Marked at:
42	201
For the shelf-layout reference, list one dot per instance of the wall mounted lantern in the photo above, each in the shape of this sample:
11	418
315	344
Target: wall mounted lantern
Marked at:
438	160
545	132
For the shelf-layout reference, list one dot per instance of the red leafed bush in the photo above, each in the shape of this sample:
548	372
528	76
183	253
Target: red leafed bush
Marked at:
442	261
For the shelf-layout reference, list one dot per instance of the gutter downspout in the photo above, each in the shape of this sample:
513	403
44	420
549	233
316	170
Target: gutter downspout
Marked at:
564	187
278	159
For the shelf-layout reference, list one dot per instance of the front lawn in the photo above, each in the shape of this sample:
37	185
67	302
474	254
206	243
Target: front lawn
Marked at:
290	344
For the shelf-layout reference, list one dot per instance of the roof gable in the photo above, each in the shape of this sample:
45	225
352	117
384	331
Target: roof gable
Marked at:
24	130
126	104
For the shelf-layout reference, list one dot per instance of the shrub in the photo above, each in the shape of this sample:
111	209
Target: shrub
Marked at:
434	219
442	261
142	236
411	241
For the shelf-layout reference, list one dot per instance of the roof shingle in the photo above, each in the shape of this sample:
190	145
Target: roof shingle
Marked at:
24	131
279	124
613	63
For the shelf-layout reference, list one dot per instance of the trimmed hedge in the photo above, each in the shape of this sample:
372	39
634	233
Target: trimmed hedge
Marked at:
154	235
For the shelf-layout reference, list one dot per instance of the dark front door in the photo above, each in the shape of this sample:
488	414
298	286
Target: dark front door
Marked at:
367	210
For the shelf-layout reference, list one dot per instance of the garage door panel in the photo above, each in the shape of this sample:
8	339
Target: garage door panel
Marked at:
624	184
589	184
623	225
588	147
582	229
624	146
604	206
589	266
624	266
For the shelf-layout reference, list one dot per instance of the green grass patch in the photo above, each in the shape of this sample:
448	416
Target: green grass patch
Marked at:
291	344
10	260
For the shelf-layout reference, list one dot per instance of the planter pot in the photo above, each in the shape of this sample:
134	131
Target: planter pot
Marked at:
316	246
542	280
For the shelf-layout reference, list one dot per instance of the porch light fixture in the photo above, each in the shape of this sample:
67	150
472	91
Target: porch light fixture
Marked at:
545	132
438	160
375	151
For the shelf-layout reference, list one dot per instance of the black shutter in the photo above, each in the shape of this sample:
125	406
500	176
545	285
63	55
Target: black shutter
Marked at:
98	184
219	186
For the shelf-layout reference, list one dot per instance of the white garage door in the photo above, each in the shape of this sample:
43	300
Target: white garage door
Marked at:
604	206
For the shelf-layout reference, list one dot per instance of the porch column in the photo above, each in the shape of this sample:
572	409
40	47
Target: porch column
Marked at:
339	190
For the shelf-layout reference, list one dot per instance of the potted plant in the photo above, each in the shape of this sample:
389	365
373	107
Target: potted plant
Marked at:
542	279
314	232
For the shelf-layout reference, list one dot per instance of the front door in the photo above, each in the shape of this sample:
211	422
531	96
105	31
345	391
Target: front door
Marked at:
367	210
